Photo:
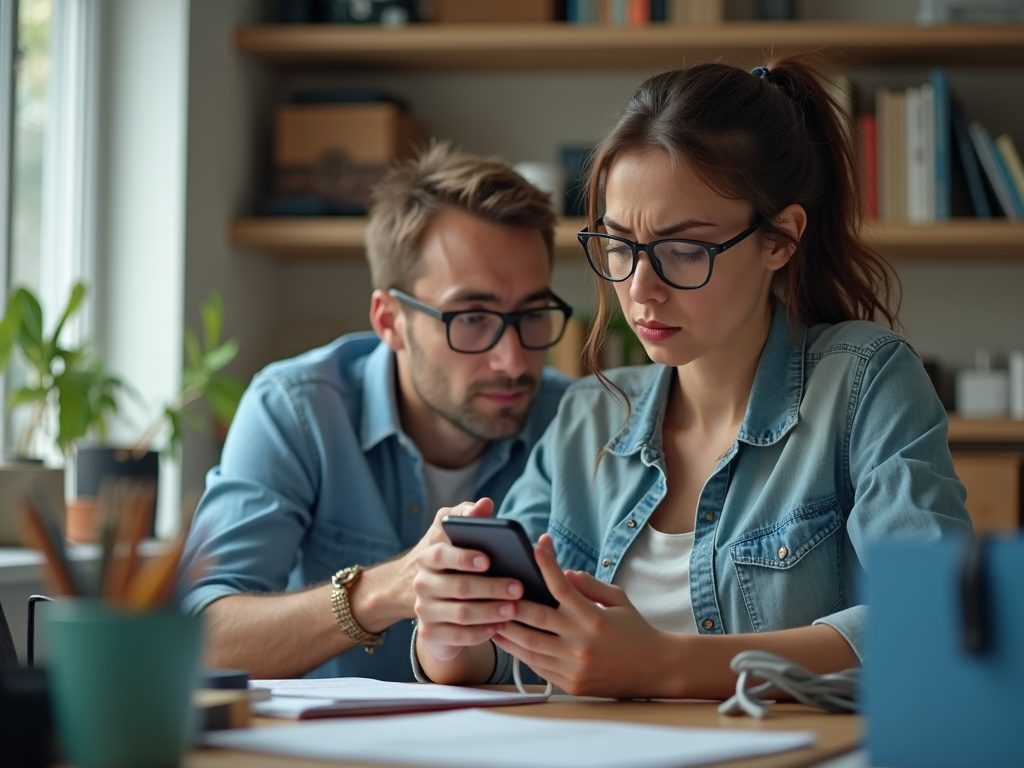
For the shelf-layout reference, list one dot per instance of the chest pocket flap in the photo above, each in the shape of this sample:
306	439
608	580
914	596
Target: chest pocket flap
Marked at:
786	543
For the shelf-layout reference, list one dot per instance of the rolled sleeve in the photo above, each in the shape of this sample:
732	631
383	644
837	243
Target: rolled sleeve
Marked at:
256	509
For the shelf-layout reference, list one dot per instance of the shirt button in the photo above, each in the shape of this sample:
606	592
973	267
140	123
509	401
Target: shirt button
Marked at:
606	562
708	624
709	517
414	509
631	524
783	552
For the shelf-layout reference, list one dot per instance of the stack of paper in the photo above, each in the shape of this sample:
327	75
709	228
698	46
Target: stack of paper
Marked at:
330	697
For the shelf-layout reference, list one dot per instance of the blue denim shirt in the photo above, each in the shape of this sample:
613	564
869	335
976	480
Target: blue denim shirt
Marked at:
844	442
317	475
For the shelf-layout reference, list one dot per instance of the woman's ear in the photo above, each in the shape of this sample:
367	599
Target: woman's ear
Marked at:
793	221
387	319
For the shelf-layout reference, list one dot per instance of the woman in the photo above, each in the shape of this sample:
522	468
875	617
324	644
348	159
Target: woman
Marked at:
780	432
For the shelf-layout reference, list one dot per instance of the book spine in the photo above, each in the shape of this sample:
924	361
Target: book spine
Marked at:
915	168
969	162
983	147
868	130
679	11
943	150
616	12
927	124
898	162
883	144
639	13
659	11
1008	151
1011	186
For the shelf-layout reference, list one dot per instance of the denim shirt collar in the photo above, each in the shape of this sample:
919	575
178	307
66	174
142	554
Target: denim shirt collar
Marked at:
380	417
772	409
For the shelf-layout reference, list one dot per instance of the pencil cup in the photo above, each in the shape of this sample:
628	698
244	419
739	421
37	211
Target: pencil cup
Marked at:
122	683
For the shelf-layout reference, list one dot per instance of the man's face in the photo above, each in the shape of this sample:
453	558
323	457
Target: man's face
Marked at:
468	263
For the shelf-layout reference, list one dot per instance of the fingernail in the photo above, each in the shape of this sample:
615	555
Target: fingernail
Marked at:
479	562
505	610
513	589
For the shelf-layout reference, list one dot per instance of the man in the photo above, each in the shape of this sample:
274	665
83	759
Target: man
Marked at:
338	460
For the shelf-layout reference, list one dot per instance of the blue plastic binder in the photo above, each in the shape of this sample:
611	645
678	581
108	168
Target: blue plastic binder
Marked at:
944	671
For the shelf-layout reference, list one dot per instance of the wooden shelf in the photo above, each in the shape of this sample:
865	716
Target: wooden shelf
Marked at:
985	430
565	47
338	238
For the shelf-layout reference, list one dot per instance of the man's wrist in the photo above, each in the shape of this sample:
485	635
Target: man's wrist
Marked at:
376	599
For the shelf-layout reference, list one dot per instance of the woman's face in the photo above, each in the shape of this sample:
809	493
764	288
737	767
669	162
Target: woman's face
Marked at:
649	197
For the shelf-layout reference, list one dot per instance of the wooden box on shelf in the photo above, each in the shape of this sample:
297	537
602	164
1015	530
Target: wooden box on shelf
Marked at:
337	152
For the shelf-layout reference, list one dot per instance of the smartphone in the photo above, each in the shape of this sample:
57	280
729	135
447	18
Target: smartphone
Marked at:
510	551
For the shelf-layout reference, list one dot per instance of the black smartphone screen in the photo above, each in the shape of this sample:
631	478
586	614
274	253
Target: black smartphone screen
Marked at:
510	551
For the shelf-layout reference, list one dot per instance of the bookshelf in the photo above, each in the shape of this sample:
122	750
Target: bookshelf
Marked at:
568	47
341	238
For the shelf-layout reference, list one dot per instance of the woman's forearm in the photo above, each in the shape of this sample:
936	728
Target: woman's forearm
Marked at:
699	667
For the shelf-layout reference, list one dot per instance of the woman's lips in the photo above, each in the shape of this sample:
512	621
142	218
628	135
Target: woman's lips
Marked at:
652	330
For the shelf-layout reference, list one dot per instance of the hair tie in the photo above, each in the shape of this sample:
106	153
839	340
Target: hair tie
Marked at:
761	72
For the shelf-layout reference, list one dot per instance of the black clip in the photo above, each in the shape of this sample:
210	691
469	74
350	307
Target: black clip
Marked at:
974	599
30	655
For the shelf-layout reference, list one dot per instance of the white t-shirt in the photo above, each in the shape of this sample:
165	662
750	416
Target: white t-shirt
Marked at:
448	487
655	574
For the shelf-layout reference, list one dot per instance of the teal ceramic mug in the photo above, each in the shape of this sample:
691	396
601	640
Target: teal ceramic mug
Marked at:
122	683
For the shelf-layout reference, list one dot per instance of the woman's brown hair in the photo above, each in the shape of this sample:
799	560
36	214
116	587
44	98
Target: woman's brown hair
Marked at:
772	139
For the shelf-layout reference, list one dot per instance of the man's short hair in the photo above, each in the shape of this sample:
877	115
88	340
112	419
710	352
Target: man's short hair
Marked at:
410	195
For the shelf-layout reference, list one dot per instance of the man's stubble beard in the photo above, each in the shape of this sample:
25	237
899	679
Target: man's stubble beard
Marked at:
434	389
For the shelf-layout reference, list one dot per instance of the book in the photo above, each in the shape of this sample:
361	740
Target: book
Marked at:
916	168
659	11
638	13
867	129
941	127
1008	151
883	147
1007	174
993	170
969	162
898	156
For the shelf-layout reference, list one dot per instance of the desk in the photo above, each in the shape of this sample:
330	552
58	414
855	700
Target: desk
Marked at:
836	733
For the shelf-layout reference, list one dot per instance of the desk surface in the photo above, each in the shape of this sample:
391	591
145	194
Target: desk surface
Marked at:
837	734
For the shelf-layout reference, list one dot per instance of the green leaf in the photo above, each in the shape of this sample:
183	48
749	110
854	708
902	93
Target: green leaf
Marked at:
30	331
213	319
74	302
73	418
217	358
193	352
9	328
26	395
224	394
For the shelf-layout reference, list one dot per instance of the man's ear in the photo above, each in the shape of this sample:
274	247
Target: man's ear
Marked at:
388	319
793	221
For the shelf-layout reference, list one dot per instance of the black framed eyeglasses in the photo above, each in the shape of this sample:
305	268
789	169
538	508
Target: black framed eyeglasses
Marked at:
477	330
683	264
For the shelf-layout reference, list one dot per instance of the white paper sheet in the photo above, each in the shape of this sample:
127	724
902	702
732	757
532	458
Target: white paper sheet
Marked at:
478	739
356	695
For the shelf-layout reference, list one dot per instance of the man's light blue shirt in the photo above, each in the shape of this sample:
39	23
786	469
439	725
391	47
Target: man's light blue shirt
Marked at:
844	443
317	475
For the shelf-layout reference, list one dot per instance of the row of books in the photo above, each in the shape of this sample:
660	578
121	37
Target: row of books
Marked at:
640	13
920	154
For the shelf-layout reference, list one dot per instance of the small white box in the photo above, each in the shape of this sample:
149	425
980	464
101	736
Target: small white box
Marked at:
982	394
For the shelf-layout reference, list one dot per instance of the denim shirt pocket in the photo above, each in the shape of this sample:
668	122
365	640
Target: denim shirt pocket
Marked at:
571	551
790	573
332	547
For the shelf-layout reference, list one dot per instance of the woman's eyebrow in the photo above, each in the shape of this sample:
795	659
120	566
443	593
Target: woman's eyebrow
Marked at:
661	231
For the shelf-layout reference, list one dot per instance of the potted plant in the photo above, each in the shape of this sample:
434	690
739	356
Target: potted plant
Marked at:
203	380
66	394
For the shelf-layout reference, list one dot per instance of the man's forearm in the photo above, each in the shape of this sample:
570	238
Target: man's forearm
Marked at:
287	635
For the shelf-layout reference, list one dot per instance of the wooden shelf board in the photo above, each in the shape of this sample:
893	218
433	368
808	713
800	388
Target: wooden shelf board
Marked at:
985	430
567	47
962	240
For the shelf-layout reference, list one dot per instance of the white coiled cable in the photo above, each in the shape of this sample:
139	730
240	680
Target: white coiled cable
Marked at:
834	692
